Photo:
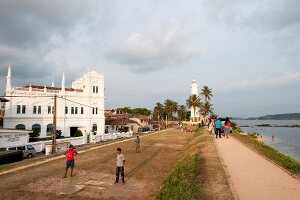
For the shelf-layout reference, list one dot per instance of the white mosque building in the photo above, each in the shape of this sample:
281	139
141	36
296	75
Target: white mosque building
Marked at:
195	116
80	107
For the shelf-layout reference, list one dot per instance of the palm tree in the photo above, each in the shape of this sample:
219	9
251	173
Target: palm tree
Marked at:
207	108
158	110
181	110
193	101
206	92
170	108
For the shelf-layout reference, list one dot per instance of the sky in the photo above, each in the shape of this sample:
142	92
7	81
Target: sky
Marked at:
248	52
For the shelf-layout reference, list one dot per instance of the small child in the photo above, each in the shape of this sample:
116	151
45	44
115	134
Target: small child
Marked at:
137	144
120	165
70	154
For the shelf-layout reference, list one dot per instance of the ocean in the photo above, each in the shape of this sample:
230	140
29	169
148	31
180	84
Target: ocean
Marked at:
286	140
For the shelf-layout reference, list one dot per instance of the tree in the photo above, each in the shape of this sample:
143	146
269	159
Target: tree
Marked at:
58	134
181	111
158	111
206	92
207	108
193	101
34	135
170	108
78	133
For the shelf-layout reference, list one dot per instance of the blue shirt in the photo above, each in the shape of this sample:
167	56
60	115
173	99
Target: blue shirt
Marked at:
218	124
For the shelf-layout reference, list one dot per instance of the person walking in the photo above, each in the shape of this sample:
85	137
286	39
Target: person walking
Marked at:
70	163
227	126
218	126
137	144
120	165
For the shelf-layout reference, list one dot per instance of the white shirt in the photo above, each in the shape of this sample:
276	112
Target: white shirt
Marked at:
120	160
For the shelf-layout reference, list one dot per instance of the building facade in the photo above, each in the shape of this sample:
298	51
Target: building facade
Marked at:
80	107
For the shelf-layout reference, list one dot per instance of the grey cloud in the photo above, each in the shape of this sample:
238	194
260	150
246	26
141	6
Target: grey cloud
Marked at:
143	53
31	22
265	15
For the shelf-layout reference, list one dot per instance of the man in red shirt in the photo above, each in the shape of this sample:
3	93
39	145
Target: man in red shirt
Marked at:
70	154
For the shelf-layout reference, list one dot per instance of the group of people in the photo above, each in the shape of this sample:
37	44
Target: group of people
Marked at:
220	127
71	152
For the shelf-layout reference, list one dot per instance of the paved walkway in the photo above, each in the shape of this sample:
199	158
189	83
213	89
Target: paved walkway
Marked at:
254	177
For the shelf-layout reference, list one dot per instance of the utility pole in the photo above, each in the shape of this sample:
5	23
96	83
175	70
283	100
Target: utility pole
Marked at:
54	126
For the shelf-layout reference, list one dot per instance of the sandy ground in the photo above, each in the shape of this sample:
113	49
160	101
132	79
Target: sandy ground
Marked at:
94	173
254	177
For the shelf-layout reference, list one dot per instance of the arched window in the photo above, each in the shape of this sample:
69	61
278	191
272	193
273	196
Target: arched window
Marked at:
94	127
36	127
49	129
20	127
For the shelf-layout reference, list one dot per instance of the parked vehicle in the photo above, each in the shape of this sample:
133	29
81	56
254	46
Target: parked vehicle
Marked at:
28	150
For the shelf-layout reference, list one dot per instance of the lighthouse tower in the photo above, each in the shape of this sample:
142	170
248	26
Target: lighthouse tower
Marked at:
195	114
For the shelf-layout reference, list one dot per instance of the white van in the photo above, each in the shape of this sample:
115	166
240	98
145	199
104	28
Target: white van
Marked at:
28	150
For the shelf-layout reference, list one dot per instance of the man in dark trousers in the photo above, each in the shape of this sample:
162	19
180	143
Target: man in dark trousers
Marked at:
120	165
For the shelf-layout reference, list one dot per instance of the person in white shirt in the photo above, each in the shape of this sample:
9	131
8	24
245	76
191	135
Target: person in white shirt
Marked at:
120	165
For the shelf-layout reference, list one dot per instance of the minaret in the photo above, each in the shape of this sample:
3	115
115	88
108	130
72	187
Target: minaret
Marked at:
8	80
63	83
52	85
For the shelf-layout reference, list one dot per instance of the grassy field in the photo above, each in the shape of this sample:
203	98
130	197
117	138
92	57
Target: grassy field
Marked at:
199	174
287	162
166	158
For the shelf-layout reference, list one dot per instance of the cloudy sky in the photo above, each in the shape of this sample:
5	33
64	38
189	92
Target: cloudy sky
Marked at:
248	52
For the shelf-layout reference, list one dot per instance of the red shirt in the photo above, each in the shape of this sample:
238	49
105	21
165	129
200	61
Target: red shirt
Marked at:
228	124
70	154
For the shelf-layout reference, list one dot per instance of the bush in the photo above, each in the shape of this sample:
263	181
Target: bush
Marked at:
34	135
78	133
235	127
58	134
253	135
124	129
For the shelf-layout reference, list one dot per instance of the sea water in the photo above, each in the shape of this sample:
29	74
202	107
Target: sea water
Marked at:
286	139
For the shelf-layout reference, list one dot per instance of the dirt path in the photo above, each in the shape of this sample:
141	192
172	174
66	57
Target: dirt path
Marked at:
254	177
94	173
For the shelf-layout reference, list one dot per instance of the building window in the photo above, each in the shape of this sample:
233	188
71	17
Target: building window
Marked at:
96	110
76	110
20	127
39	109
93	110
72	110
96	89
82	110
49	129
36	127
94	128
23	109
66	110
18	109
49	109
34	109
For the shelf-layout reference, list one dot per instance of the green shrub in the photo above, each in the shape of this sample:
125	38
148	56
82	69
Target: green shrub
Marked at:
253	135
78	133
34	135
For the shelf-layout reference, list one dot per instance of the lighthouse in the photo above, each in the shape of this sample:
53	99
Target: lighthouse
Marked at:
195	114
